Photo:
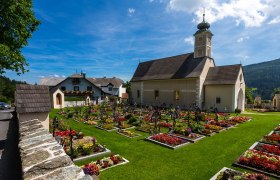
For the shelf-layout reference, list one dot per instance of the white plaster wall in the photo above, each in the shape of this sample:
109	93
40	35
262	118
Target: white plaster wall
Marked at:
199	96
224	92
54	105
240	84
82	87
134	87
43	117
74	103
121	90
166	88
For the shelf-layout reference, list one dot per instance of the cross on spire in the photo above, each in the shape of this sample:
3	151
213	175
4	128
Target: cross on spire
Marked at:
203	14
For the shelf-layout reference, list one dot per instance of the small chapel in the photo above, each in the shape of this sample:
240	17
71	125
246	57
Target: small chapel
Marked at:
190	79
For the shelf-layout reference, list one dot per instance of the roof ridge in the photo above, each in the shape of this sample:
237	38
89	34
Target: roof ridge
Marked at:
164	58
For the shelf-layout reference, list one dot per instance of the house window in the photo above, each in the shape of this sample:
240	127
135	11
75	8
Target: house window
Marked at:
156	94
89	88
76	81
177	95
63	88
218	100
76	88
138	93
110	88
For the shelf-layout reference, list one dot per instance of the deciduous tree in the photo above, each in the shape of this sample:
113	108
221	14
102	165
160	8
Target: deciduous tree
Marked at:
17	23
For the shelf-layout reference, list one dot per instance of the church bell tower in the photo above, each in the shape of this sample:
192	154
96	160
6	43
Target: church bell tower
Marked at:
203	39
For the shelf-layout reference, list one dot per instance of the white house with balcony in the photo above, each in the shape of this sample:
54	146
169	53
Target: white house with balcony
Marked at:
81	89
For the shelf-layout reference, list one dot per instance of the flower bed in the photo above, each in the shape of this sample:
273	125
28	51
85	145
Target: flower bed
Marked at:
165	124
213	127
222	123
91	122
107	127
126	126
128	134
240	119
277	128
94	168
206	132
273	138
145	128
230	174
83	147
192	137
261	162
168	140
268	148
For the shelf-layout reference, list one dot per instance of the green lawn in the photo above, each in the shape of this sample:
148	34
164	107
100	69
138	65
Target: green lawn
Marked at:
195	161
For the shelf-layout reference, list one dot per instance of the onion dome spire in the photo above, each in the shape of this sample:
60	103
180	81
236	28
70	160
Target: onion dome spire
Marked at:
203	25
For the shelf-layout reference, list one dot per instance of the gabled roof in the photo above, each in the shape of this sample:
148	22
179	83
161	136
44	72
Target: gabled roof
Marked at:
101	82
53	81
116	82
176	67
222	74
77	76
32	98
71	77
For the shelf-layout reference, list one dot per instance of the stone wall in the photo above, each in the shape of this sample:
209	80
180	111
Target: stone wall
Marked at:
42	157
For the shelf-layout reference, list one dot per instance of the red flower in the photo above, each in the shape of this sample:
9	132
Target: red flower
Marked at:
164	124
167	139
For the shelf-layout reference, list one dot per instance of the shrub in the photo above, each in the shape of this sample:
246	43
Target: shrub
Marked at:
137	123
128	116
132	120
237	111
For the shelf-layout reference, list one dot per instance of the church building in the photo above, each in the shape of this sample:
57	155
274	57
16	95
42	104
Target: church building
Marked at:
189	79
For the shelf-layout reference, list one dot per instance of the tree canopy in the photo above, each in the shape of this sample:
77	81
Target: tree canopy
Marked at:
248	94
8	88
276	91
17	23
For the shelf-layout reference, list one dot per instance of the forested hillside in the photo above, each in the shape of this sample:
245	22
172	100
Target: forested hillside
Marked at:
7	89
264	76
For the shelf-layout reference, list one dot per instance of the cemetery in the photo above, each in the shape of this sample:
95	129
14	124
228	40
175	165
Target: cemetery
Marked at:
94	136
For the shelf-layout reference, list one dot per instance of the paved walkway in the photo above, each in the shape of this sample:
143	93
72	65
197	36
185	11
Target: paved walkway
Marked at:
260	113
10	163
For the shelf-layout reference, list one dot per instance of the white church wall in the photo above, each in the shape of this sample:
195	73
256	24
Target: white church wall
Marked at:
209	63
166	88
239	86
212	92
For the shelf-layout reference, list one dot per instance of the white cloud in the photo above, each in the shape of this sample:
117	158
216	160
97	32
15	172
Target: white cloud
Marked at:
55	75
253	13
275	20
41	76
63	76
131	11
189	40
246	57
241	39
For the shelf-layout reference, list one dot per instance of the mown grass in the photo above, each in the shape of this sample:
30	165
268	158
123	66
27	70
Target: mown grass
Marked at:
200	160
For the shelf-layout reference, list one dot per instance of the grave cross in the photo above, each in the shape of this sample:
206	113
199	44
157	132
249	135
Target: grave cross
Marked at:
71	144
55	124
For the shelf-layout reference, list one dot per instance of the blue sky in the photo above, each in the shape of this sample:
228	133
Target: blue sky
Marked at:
110	37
